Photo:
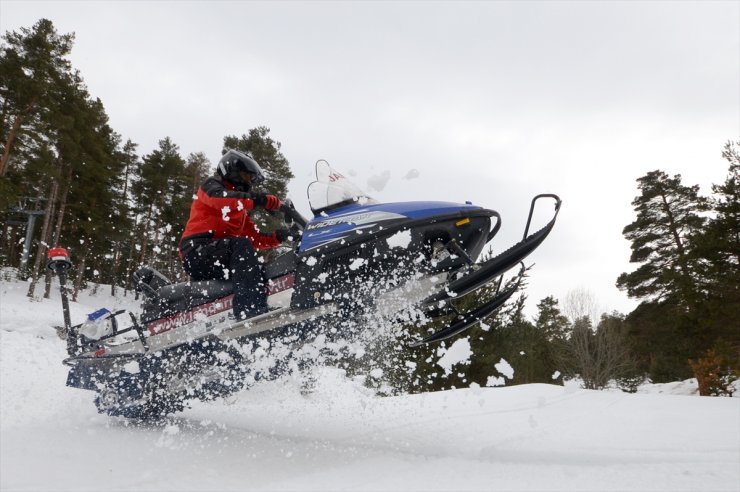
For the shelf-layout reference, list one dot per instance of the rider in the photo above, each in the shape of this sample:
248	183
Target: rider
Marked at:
220	238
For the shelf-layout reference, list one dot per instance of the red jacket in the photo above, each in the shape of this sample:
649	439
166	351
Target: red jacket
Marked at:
218	211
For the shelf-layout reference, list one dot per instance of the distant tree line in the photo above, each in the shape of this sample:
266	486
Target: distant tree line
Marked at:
113	208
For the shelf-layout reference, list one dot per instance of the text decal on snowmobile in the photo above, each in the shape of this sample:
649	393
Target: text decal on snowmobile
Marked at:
186	317
280	284
356	219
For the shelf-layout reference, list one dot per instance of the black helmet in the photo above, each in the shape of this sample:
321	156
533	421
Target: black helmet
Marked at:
233	163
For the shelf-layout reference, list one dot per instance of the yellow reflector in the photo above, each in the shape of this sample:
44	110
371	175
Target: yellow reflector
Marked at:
462	222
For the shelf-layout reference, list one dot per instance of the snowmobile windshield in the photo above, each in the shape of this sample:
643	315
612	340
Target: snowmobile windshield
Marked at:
332	190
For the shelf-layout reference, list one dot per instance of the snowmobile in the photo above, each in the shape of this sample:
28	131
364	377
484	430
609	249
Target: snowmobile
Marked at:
353	254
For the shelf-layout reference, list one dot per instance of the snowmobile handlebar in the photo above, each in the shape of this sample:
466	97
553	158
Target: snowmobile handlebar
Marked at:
293	215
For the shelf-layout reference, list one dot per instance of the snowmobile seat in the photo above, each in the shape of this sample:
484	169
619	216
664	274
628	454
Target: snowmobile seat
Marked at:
147	280
176	298
163	298
204	289
157	287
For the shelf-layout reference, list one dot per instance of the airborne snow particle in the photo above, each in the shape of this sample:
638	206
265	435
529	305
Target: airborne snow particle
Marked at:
412	174
131	367
504	368
458	353
400	239
378	182
495	381
356	263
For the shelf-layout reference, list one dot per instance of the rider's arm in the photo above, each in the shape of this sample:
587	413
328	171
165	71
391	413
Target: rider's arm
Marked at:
214	194
259	240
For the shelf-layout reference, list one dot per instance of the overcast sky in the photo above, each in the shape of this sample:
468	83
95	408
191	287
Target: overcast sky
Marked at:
491	102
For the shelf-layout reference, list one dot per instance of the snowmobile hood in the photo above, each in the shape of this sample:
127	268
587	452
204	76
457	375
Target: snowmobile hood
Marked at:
352	219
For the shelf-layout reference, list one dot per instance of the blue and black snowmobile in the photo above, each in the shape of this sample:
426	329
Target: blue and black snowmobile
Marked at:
354	255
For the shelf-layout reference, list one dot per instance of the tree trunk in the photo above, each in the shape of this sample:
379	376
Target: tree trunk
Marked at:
127	269
117	254
114	270
12	243
687	283
13	133
4	115
9	145
45	233
155	243
5	239
96	268
80	272
145	235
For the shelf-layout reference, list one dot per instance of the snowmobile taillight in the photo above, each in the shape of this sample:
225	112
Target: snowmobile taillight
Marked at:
58	260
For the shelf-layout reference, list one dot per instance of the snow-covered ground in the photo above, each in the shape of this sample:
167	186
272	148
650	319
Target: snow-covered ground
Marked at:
342	437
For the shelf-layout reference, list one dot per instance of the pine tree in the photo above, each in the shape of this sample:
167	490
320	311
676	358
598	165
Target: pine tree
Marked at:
718	251
198	167
95	206
550	320
162	190
668	213
33	65
122	248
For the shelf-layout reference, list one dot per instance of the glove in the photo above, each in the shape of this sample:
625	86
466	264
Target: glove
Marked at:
268	202
282	234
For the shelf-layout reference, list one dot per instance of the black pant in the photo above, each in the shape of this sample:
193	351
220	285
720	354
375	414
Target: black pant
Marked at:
229	259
